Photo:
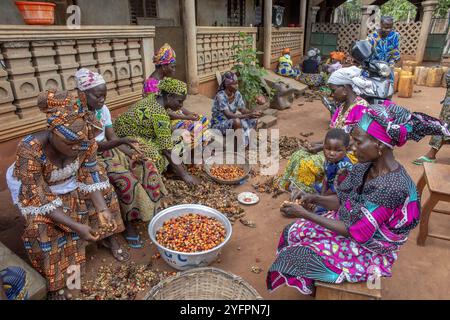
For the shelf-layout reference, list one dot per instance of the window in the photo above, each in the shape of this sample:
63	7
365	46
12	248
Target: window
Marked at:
143	9
236	12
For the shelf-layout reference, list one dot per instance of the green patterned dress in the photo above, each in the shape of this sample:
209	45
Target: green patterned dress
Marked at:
149	123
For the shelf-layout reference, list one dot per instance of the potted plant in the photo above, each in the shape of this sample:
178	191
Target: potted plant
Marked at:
249	72
41	13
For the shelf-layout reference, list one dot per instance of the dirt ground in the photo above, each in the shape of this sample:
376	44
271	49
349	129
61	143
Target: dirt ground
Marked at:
419	273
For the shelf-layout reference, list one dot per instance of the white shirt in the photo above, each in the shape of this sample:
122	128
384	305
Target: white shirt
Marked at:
104	116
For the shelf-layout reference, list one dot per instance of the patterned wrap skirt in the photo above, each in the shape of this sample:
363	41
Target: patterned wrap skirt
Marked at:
139	186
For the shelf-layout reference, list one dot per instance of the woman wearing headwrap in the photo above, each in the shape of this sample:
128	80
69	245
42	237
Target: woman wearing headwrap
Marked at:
136	180
62	192
165	63
310	73
335	62
370	218
285	66
305	167
184	119
149	123
227	102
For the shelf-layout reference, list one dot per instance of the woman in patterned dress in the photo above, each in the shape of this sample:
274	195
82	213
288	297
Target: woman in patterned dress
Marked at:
62	192
371	216
305	167
149	123
137	182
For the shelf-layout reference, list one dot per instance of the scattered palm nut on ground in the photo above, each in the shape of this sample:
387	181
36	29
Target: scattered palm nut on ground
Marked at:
122	282
207	193
227	172
248	223
191	233
270	186
256	270
306	134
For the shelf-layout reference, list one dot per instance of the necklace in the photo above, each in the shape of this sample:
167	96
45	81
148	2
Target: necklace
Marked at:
342	116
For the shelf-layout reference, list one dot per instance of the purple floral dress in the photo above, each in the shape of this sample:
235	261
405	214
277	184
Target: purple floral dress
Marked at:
379	215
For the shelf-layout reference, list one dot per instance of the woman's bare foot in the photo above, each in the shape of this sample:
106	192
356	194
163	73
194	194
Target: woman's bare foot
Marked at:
117	251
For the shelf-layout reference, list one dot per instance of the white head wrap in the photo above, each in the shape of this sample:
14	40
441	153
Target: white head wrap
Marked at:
351	76
87	79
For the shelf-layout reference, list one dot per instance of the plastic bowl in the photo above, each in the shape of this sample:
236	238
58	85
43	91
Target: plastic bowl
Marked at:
183	260
40	13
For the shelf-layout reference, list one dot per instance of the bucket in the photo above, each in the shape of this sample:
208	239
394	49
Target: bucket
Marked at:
40	13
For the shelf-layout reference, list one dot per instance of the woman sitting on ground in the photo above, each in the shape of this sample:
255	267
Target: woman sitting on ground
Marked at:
136	180
227	102
370	218
310	73
305	167
63	193
335	62
285	66
148	122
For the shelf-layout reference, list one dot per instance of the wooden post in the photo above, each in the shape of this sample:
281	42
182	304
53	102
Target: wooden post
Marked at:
190	33
267	33
311	18
428	8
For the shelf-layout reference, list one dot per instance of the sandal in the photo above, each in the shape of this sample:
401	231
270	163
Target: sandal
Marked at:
134	242
419	161
119	254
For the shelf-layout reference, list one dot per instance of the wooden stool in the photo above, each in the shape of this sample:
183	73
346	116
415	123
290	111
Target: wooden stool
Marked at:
437	177
346	291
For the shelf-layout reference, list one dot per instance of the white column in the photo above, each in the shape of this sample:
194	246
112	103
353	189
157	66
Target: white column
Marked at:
428	8
190	34
267	33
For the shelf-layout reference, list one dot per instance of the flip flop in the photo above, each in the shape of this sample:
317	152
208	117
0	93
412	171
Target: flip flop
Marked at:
118	253
423	159
135	239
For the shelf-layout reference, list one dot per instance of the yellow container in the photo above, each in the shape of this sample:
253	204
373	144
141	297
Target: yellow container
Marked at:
406	86
434	77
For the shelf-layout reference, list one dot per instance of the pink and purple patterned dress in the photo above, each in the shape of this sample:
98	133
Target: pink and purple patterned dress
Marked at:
379	214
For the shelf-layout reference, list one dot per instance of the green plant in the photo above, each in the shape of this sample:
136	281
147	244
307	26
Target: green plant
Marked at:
248	70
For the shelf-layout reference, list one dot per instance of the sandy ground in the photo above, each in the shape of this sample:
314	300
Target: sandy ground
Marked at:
419	273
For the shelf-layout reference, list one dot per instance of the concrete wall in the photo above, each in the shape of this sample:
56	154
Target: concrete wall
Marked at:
175	37
170	9
9	14
211	11
116	12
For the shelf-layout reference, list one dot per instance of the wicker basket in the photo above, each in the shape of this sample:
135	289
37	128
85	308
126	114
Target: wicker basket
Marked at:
203	284
209	163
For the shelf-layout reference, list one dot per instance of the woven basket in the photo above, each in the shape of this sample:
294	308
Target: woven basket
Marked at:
203	284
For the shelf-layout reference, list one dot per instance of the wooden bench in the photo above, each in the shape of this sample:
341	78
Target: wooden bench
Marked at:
346	291
437	177
37	289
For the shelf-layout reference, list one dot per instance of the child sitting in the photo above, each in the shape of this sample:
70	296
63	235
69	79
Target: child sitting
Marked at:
336	166
335	62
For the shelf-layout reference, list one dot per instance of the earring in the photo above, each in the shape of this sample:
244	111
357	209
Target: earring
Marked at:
380	153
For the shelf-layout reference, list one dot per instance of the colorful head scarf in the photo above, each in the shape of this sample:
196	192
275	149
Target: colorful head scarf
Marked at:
394	125
337	55
173	86
62	111
165	55
87	79
228	78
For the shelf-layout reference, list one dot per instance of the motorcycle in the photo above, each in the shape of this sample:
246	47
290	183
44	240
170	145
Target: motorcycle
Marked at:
378	72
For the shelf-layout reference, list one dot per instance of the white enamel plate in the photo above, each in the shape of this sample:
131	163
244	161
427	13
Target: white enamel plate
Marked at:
248	198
